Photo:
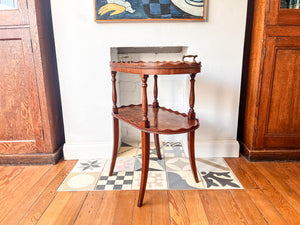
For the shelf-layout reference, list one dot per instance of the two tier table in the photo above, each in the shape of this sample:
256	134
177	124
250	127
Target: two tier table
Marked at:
154	118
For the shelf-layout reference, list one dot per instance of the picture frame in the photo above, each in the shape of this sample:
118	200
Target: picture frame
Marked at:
150	10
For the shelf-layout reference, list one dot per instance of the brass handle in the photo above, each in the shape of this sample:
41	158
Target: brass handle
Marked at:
125	57
189	56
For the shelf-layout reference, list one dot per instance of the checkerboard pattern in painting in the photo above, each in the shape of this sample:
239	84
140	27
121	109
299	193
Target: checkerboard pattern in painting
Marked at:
172	172
161	9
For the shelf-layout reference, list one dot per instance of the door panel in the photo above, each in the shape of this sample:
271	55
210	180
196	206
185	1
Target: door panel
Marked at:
279	14
20	119
18	16
15	96
285	97
279	114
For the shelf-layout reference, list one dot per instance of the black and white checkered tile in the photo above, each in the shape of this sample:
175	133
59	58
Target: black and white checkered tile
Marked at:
118	181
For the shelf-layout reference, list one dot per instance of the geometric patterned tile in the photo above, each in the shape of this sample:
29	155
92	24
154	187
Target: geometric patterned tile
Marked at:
220	180
86	166
152	145
122	164
154	164
177	164
79	182
211	164
173	149
127	150
183	180
153	153
173	171
118	181
157	180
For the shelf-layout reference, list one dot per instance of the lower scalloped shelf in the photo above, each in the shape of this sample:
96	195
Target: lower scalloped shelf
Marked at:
162	120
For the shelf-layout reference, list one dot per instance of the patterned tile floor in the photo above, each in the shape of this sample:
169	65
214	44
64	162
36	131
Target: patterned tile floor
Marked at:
172	172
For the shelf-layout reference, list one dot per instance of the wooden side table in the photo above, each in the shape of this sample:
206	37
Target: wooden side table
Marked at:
154	118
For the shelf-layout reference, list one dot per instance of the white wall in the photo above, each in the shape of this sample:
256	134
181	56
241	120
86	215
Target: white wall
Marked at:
83	54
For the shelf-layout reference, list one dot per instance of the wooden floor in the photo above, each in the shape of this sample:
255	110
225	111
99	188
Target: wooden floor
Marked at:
271	196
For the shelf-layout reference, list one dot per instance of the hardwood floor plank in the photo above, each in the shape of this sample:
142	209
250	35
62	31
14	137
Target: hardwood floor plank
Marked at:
212	207
278	183
282	205
28	196
265	207
124	209
63	209
106	211
195	208
241	174
143	215
89	209
248	208
293	168
178	210
42	202
21	207
8	173
160	207
288	177
17	188
230	208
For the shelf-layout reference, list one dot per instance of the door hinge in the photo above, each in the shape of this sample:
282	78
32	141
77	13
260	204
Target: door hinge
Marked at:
27	4
268	6
264	53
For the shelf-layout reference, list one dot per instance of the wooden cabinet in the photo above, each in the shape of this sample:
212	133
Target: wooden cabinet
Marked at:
269	123
31	127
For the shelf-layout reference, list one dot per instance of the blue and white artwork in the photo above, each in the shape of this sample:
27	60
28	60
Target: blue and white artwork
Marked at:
114	10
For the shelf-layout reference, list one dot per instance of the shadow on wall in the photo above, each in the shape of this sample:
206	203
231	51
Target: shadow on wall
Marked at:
216	108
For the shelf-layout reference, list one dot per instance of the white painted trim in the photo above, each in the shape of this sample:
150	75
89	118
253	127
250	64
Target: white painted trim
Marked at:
218	148
94	150
203	149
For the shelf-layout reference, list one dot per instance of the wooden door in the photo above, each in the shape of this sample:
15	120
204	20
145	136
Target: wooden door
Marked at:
20	117
279	108
280	14
17	15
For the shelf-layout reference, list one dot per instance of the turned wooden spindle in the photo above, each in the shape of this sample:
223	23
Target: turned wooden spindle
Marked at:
145	121
155	92
156	105
191	113
114	92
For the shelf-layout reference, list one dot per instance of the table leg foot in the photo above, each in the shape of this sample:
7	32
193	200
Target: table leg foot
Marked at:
157	146
115	148
145	166
191	145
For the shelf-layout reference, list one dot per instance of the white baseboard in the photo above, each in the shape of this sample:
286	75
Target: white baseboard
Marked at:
93	150
220	148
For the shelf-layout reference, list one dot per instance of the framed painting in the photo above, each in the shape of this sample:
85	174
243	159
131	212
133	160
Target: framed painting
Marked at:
149	10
